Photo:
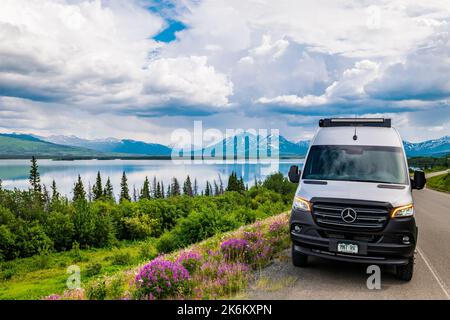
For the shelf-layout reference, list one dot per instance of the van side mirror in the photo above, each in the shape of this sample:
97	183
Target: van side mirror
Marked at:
419	180
294	174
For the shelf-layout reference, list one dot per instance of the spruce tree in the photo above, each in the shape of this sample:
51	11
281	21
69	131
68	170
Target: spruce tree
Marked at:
55	193
175	187
232	182
145	191
169	191
158	190
124	191
207	189
187	187
108	192
216	188
195	189
35	178
78	191
97	189
163	195
154	187
241	185
45	197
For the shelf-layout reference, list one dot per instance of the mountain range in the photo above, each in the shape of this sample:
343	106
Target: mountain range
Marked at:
112	145
434	147
24	145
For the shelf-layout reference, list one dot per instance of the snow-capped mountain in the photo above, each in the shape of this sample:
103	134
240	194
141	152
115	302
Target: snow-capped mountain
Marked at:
113	145
439	146
251	146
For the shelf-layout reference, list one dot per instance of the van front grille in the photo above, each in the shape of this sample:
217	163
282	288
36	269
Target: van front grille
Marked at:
370	215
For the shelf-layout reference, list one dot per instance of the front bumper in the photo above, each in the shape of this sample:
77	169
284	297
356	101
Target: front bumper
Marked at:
381	247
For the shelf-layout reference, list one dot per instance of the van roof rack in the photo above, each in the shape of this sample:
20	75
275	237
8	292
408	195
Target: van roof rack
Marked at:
355	122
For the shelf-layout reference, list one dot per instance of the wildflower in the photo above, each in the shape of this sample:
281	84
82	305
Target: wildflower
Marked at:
53	297
235	249
161	279
191	260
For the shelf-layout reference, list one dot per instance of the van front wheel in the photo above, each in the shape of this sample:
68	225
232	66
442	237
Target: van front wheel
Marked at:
405	272
299	259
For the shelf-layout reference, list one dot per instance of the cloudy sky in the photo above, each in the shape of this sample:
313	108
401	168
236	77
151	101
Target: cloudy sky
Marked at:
140	69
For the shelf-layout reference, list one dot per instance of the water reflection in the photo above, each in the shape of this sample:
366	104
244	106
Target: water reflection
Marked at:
14	173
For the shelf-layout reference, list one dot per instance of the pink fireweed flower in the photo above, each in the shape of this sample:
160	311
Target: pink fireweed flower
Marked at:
235	249
191	260
53	297
161	278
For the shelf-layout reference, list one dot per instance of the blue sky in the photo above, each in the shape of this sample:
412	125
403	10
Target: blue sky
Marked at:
169	33
140	69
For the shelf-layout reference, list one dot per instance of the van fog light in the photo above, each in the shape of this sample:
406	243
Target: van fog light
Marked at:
297	229
405	240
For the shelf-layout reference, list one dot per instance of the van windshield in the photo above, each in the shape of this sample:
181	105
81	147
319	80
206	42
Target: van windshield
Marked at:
356	163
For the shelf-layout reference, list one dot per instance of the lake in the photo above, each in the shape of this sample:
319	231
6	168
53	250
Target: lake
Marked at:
14	173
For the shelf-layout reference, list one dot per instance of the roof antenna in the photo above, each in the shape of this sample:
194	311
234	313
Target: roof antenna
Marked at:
355	137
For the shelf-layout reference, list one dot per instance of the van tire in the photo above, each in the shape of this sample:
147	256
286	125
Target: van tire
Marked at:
405	272
299	259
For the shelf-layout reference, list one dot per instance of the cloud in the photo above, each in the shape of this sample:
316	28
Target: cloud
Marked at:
350	86
188	80
71	51
251	61
422	75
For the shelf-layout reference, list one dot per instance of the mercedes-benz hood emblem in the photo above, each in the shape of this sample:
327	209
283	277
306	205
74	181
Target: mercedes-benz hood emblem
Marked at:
349	215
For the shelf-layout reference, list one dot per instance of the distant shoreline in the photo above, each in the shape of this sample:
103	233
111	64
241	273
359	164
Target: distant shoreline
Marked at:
135	158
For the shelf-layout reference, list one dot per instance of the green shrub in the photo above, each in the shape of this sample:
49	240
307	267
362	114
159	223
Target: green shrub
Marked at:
93	269
30	238
147	251
244	215
7	274
96	290
43	259
76	253
115	288
8	250
84	224
278	183
121	258
139	227
60	229
167	242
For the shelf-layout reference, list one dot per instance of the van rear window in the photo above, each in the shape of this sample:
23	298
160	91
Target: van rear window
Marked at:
356	163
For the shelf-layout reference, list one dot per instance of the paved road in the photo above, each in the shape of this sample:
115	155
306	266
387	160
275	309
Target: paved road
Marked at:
326	279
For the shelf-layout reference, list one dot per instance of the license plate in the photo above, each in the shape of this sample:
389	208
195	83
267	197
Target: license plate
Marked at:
347	247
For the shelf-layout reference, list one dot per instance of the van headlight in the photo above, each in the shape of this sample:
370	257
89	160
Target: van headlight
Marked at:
301	204
403	211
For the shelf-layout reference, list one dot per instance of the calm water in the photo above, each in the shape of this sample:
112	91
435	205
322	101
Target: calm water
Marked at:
14	173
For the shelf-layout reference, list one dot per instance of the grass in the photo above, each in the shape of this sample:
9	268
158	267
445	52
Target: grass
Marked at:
271	285
440	182
38	276
435	169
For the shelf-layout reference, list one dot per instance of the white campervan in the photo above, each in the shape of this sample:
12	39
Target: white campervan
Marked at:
354	197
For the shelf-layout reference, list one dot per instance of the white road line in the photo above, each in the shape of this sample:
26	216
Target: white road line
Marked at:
434	273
